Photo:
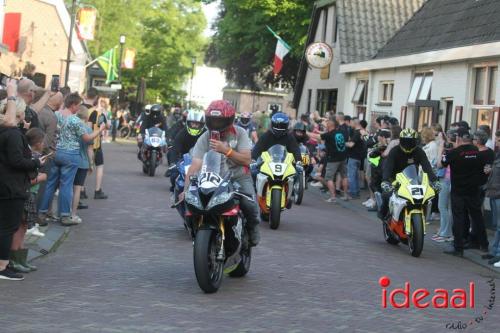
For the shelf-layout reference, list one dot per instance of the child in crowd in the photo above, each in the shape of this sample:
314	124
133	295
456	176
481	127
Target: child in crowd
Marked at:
19	255
319	171
85	166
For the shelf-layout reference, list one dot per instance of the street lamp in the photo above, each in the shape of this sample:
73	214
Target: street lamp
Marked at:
193	62
70	38
122	42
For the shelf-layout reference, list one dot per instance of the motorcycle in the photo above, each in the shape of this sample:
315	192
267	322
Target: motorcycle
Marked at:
221	239
409	204
182	168
275	183
152	150
128	131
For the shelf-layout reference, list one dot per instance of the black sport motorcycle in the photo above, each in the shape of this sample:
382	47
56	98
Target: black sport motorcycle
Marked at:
220	237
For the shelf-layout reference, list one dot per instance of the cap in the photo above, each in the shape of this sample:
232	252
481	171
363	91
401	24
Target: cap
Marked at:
385	133
463	124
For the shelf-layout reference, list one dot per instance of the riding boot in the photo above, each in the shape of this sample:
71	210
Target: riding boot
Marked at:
23	258
15	263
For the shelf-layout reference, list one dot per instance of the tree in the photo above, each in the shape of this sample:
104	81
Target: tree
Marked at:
244	47
165	33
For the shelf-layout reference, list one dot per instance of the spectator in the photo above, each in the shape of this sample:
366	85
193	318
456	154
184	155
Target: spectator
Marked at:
85	164
355	155
26	91
319	171
67	159
487	130
430	147
15	164
493	192
466	169
19	254
97	118
394	139
48	121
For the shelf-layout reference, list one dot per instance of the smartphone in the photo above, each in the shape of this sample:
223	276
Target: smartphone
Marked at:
215	135
54	84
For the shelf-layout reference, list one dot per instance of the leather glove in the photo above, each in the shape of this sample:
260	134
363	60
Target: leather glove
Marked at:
436	186
386	187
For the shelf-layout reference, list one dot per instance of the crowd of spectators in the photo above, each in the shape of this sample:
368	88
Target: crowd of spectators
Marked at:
49	142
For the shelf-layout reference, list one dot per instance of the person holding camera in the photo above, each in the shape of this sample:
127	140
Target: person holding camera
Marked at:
466	169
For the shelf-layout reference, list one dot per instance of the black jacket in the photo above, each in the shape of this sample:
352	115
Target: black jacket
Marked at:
15	164
267	140
152	120
398	160
183	143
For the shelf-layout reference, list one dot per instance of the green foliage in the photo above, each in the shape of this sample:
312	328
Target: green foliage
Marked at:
244	47
165	33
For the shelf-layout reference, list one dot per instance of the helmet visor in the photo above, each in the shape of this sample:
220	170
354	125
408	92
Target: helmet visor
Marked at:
244	121
408	144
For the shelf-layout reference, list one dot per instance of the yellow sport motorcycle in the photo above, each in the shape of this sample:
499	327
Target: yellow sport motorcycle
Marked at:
408	206
274	183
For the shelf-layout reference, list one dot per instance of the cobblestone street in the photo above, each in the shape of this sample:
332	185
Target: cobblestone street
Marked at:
129	268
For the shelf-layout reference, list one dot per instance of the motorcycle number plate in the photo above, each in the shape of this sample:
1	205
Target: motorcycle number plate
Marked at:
155	141
278	169
417	191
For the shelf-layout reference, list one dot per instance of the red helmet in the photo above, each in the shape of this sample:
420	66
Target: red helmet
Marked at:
219	116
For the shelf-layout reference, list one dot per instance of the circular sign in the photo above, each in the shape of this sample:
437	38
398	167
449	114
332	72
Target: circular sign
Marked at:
319	55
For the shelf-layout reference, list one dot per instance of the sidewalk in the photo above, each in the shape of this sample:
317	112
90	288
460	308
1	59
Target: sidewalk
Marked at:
41	246
355	205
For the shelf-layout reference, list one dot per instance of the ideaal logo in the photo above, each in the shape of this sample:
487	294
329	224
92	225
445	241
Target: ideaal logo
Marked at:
421	298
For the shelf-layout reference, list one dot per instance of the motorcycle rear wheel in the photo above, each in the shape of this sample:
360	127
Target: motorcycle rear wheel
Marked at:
388	236
152	163
275	216
208	270
298	191
416	240
124	132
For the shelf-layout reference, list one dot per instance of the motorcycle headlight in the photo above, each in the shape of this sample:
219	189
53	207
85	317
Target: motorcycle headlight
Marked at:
193	200
219	200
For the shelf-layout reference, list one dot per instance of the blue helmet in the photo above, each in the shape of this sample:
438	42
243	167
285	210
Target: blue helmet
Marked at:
279	124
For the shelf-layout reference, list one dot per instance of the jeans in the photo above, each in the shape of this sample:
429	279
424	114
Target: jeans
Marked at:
249	208
353	166
62	174
495	210
444	204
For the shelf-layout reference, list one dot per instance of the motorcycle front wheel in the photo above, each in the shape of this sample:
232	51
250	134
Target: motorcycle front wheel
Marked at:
152	163
416	240
275	216
207	268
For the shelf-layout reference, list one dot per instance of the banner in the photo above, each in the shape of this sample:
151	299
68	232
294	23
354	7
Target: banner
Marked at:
85	23
128	61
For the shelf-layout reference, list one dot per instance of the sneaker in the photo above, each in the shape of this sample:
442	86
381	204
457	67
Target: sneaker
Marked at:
449	239
493	260
70	220
434	236
332	200
100	195
369	203
83	195
8	274
346	198
82	206
35	231
497	264
454	252
439	239
316	184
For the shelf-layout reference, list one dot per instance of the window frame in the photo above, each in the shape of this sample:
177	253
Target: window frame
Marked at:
382	93
420	81
489	85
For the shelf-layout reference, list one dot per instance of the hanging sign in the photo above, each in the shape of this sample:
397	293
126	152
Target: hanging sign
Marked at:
128	61
85	23
319	55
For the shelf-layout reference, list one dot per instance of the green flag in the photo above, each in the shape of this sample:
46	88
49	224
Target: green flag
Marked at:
109	63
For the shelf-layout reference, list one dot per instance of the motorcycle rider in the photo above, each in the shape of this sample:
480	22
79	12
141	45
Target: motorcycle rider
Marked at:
247	124
186	139
400	157
155	118
234	144
179	125
278	135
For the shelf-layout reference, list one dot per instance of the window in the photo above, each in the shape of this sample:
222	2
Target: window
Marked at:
360	94
421	88
309	97
386	91
482	117
326	101
485	85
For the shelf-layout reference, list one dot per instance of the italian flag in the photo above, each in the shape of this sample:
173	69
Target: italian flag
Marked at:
282	49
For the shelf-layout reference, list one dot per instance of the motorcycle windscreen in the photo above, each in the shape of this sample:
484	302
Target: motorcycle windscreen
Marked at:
277	153
411	173
155	131
211	170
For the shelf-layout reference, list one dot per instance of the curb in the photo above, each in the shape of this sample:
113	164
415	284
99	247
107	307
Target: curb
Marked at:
54	237
352	205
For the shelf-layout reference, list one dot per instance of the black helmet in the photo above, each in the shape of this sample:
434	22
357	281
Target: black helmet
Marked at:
279	124
156	108
299	130
408	140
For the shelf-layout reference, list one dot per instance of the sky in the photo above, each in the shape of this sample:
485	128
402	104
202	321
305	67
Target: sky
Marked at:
210	11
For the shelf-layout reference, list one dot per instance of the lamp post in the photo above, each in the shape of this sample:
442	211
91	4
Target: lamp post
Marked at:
122	42
71	28
193	62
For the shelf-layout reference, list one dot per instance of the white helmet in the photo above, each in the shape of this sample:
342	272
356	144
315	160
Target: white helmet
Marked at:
195	121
